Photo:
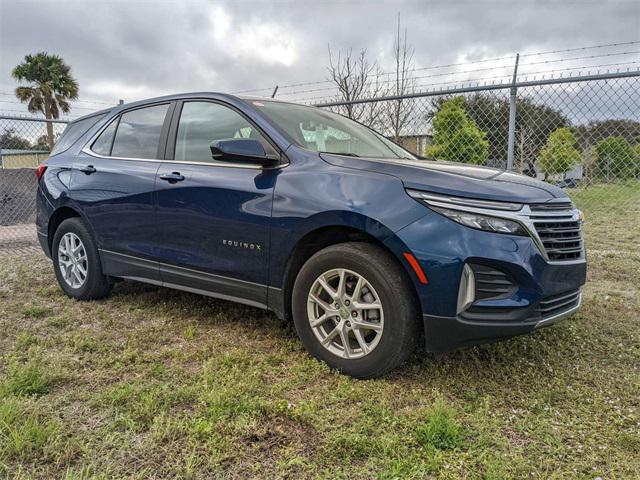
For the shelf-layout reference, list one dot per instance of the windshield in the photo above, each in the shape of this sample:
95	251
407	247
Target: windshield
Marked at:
324	131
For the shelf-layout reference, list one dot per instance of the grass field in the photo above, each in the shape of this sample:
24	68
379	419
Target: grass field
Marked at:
153	383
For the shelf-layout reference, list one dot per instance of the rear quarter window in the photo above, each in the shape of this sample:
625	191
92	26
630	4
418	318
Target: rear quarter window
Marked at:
73	132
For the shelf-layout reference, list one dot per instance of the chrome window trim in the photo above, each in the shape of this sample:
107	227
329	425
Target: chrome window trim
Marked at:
87	149
525	217
90	152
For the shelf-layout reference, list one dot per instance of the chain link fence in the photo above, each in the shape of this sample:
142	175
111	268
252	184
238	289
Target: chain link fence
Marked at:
24	144
582	134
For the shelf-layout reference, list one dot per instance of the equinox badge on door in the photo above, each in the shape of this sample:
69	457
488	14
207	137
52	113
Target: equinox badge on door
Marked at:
243	245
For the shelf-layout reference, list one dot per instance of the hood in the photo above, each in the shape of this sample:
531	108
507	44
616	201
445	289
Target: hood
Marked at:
456	179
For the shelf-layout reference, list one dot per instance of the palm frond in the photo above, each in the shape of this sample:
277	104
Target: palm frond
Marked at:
49	83
63	103
24	93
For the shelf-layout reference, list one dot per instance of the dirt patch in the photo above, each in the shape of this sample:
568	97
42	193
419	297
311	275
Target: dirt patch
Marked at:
17	196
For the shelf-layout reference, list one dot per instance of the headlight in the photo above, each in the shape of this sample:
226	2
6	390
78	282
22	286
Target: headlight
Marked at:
471	212
483	222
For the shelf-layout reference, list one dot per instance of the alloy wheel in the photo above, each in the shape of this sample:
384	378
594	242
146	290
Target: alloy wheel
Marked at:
345	313
72	260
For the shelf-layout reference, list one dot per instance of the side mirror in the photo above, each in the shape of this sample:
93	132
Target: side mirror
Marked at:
240	150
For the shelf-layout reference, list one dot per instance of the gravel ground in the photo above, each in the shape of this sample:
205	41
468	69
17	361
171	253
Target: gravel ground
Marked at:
19	239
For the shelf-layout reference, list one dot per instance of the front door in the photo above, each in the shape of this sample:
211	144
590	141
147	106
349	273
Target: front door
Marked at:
213	217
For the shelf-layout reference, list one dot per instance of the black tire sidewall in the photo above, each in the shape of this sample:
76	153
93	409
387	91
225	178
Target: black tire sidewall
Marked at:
389	281
96	284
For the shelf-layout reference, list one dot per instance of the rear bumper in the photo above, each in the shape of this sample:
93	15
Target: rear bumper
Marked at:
43	214
443	334
44	243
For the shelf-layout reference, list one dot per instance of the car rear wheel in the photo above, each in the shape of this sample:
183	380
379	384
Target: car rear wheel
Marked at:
354	308
76	262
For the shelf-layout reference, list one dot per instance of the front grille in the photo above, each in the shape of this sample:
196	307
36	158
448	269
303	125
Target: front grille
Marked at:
492	283
558	230
550	207
555	304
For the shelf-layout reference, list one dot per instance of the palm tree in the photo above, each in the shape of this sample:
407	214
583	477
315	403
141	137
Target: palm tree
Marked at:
49	87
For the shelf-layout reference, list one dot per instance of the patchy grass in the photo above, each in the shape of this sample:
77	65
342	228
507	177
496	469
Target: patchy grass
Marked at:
23	380
440	429
158	383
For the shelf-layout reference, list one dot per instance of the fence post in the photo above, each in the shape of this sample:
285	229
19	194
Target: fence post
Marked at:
512	116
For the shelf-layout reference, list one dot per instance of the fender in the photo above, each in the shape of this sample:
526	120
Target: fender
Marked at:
328	228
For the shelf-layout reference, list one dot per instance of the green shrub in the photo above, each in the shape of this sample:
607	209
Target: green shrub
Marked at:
559	153
457	138
615	158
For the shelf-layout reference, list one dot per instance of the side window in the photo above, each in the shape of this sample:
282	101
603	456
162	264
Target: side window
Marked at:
138	132
204	122
73	132
102	145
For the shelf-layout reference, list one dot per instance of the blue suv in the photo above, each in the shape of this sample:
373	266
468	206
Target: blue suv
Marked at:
366	248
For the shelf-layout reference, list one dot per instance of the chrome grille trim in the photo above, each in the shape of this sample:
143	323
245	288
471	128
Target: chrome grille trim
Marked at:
559	315
560	234
558	303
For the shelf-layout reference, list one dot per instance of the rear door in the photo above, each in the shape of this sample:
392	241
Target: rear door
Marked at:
113	183
213	217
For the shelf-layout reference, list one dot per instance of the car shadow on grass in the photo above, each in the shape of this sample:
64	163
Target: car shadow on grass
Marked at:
504	361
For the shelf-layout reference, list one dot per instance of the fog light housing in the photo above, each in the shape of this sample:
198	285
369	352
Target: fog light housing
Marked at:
467	289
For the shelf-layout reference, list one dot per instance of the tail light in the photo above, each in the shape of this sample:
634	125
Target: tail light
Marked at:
40	171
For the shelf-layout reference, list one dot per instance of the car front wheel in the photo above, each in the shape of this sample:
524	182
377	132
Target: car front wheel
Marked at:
354	308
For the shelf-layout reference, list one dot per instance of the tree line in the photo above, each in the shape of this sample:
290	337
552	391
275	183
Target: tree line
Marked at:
475	128
544	137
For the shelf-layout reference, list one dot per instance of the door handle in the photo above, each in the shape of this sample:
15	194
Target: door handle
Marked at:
172	177
88	169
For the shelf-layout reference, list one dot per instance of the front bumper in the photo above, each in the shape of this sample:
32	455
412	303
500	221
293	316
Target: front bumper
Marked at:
444	334
543	292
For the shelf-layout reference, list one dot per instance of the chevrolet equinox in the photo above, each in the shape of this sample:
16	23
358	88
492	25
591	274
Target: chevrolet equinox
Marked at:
368	249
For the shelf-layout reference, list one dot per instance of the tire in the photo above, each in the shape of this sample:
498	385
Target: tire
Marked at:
387	284
95	284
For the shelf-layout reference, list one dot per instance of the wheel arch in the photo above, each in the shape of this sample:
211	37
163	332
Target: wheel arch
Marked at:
328	235
57	217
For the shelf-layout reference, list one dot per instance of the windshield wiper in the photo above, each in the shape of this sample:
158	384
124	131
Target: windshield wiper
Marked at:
340	153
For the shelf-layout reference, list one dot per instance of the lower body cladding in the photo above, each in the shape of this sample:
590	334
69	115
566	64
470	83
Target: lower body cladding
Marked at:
485	286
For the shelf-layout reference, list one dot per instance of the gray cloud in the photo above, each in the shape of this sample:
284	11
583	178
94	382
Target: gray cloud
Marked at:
137	49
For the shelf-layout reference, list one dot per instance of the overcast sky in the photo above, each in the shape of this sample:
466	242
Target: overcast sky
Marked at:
135	49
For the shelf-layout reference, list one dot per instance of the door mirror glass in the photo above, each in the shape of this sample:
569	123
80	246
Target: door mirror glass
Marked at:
239	150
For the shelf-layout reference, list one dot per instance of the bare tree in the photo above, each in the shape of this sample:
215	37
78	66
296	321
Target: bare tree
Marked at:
526	151
399	111
357	78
